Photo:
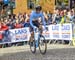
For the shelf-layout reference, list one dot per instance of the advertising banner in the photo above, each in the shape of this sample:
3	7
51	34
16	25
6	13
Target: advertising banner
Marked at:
18	35
66	32
62	32
46	33
73	35
57	32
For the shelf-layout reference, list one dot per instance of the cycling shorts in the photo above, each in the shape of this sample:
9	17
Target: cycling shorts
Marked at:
35	23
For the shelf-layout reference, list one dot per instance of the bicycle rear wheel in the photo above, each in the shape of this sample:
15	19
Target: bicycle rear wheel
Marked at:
32	45
42	44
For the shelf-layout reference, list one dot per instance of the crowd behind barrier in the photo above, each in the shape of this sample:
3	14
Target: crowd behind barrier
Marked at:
21	20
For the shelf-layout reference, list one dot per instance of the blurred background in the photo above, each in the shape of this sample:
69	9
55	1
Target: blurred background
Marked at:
16	6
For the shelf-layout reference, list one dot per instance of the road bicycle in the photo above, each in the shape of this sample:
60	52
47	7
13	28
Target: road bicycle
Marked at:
38	41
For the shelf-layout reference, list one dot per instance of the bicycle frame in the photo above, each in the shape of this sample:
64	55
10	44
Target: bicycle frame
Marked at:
36	36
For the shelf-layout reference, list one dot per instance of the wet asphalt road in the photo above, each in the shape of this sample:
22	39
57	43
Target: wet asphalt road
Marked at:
54	52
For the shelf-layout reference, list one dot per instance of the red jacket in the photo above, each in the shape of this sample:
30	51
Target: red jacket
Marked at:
4	27
18	25
1	36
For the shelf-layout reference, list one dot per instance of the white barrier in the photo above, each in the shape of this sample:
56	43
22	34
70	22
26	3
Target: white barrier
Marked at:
62	32
21	34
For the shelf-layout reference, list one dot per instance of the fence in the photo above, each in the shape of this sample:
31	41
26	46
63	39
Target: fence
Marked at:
57	32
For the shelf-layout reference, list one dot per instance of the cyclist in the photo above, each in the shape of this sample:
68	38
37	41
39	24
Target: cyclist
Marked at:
34	19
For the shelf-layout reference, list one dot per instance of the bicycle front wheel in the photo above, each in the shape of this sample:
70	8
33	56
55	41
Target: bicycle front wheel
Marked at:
42	44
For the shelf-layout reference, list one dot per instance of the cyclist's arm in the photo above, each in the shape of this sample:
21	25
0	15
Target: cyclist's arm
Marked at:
43	19
31	18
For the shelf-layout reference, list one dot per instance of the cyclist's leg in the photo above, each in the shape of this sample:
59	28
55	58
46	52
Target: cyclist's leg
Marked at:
40	29
35	23
39	26
32	34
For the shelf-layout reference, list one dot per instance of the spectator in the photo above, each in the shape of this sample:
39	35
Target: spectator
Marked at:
56	16
26	24
4	26
71	16
24	15
64	18
10	24
1	35
17	24
49	20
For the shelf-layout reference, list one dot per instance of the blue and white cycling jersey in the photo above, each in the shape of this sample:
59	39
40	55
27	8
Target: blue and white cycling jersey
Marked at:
35	16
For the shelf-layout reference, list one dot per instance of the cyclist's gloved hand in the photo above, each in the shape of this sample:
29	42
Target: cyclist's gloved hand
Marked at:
35	27
46	28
